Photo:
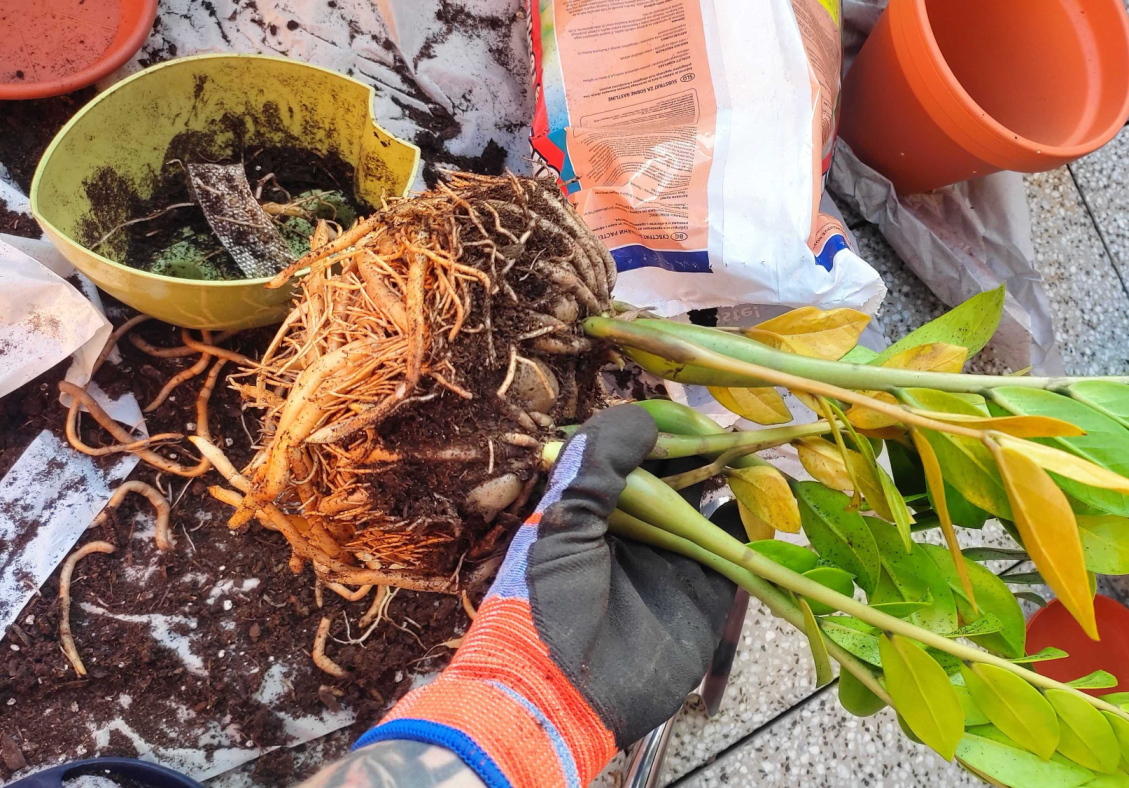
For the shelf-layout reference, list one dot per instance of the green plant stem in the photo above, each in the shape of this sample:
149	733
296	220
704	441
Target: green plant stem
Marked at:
717	541
740	457
681	345
647	498
669	447
779	604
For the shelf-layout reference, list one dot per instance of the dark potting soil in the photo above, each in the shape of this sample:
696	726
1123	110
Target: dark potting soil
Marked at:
282	172
17	223
229	596
27	128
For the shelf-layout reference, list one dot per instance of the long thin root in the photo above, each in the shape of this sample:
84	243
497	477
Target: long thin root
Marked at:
160	504
323	662
66	639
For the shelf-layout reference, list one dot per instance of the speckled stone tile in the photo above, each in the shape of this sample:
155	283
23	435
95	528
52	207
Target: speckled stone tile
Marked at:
821	745
1104	183
1089	305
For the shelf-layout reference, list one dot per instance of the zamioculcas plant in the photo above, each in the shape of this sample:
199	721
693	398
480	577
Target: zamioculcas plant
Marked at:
940	638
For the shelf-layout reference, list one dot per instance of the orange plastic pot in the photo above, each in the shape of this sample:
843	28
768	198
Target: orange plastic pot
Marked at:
947	90
50	48
1054	626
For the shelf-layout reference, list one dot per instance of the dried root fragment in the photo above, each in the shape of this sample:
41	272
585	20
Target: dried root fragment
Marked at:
66	639
160	504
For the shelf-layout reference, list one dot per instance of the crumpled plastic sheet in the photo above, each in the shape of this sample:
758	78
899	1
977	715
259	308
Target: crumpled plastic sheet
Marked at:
959	240
962	240
459	66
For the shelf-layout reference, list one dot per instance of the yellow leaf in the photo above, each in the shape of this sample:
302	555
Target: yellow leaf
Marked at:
936	483
761	405
1016	426
934	357
866	419
755	528
1049	531
809	331
822	460
1066	464
764	491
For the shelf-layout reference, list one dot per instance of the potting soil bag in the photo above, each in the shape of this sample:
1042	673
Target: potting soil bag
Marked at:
692	136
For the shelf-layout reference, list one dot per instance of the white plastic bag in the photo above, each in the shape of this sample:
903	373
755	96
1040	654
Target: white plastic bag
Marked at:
692	136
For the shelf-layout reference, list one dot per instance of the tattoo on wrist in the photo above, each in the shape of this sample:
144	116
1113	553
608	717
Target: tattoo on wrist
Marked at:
397	764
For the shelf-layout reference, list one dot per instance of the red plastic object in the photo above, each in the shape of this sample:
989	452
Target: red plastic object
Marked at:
946	90
1054	626
52	47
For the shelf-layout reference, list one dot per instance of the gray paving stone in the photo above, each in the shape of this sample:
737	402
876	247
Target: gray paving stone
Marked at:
822	745
1103	179
1089	305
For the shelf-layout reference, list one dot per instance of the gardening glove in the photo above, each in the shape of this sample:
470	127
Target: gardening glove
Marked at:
583	644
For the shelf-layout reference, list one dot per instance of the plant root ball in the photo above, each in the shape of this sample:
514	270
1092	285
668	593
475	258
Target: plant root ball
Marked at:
432	349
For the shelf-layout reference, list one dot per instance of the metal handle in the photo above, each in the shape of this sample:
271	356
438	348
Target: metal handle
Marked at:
646	758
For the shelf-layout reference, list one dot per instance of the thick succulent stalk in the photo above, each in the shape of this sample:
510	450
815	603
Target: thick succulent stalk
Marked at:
693	354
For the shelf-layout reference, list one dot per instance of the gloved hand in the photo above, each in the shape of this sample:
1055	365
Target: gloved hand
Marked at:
583	644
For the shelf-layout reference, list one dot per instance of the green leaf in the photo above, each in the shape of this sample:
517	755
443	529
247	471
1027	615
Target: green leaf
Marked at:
992	596
798	559
973	716
1118	699
962	511
1024	579
856	697
909	474
1032	597
968	465
902	608
917	577
985	626
1014	706
1106	442
1087	737
823	672
922	694
1099	679
834	578
970	325
1105	543
839	534
857	637
994	554
1042	655
993	754
1121	730
1111	399
1118	780
860	355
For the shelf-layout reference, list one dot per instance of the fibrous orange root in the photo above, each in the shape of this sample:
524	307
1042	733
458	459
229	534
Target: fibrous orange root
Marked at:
66	639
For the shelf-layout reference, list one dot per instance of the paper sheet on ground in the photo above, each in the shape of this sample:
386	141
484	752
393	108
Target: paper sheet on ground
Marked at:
43	319
47	500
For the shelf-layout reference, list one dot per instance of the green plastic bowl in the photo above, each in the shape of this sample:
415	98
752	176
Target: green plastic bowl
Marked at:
128	129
